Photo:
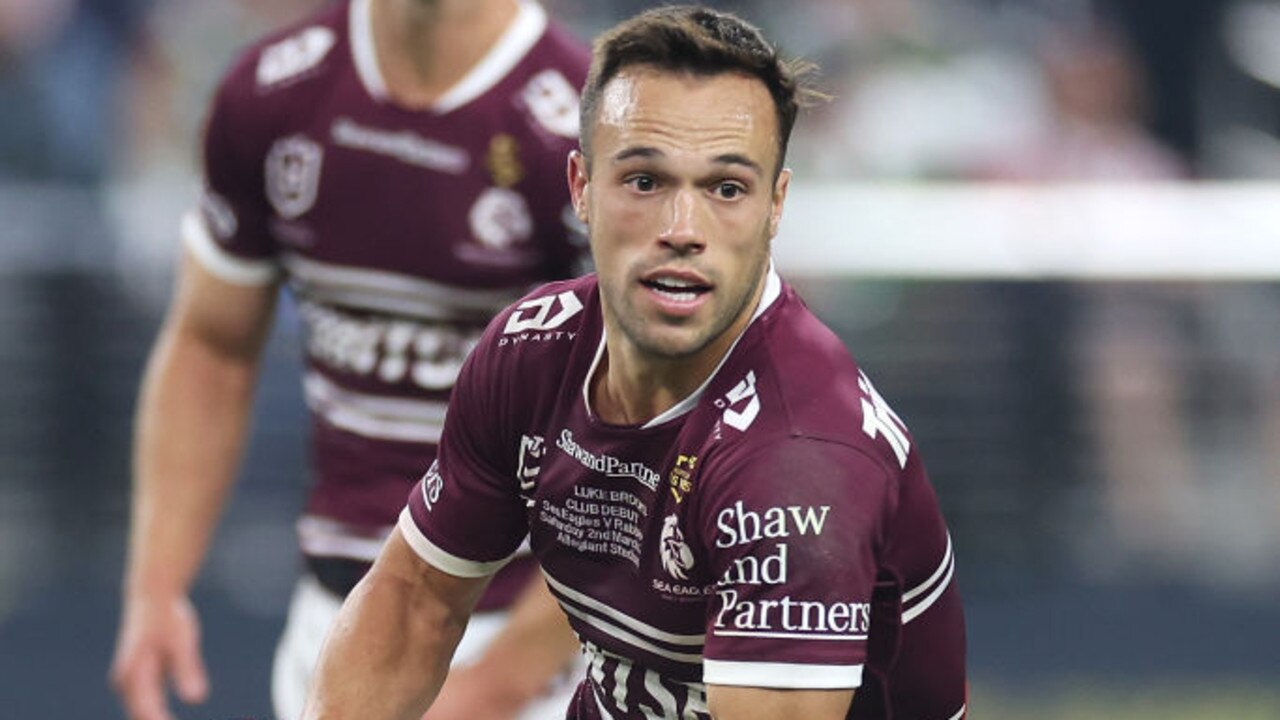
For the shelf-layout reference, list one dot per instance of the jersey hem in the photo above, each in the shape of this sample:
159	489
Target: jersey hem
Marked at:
441	559
791	676
220	263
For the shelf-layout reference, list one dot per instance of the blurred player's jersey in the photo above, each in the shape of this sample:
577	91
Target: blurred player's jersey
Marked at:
400	232
775	529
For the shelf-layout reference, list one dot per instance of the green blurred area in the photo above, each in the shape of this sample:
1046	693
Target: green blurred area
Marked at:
1109	699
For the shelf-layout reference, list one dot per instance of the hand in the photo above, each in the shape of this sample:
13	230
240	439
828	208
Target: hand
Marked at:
159	639
471	694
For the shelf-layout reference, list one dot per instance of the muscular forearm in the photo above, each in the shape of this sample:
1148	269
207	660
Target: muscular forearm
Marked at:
191	424
389	649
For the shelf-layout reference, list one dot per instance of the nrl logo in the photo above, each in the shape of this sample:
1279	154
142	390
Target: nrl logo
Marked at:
532	449
293	175
677	558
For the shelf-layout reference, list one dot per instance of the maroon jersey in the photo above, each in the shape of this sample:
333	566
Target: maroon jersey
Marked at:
776	529
401	233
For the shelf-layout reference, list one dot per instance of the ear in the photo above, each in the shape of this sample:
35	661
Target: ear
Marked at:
779	198
579	184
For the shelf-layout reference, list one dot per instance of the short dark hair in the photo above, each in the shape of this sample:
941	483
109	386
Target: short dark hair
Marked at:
702	41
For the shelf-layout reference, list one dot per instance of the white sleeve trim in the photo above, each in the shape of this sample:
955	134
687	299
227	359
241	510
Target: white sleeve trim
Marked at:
220	263
791	676
430	552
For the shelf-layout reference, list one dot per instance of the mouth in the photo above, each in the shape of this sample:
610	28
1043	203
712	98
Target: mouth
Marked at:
677	288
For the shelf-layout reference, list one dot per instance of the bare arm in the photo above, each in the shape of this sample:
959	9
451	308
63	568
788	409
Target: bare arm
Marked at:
534	646
388	651
751	703
189	433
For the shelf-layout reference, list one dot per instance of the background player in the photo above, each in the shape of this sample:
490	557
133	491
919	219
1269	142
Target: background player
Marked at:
396	163
734	520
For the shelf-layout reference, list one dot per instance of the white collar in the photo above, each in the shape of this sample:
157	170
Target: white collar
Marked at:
521	34
772	291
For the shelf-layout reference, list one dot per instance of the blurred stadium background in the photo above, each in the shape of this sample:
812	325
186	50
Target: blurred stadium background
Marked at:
1050	230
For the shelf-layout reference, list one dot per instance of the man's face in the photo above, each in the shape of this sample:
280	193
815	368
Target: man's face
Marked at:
681	205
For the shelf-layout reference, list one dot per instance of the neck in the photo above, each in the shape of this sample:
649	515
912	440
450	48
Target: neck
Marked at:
631	386
424	47
632	390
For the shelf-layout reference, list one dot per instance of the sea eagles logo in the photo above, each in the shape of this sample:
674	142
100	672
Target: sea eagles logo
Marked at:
742	404
532	450
677	558
500	218
432	484
293	175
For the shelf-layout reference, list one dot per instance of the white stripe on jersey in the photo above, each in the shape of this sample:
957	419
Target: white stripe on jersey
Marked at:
693	641
373	416
220	263
440	558
326	537
792	676
665	699
661	703
631	639
382	291
945	570
959	713
942	567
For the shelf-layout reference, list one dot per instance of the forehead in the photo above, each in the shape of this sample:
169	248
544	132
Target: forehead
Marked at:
687	111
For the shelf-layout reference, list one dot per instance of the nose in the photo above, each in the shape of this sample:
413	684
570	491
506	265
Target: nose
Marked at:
681	231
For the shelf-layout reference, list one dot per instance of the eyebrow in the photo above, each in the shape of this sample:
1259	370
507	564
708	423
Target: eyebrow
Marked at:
723	159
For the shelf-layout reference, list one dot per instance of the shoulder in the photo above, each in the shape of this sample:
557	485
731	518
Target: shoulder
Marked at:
792	383
560	48
543	326
544	84
288	61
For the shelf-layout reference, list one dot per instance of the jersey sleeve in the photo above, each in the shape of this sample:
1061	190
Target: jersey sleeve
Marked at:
228	232
465	516
792	534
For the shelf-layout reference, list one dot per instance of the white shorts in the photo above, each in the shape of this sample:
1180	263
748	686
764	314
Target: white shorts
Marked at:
313	610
